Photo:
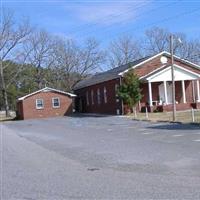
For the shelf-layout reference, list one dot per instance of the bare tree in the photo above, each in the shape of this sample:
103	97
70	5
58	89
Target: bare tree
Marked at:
90	57
12	37
157	40
123	51
72	62
41	45
190	50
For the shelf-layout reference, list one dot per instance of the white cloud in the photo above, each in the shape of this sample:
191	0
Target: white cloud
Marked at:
108	13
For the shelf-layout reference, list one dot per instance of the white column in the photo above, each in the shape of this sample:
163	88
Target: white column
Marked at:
198	91
183	91
165	91
150	94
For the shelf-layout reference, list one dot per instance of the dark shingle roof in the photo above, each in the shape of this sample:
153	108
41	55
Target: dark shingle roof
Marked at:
107	75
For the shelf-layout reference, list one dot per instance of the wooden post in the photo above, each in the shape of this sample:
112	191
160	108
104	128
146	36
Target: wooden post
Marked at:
147	116
193	118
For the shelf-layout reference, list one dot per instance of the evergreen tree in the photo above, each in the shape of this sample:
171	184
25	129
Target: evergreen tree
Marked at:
130	91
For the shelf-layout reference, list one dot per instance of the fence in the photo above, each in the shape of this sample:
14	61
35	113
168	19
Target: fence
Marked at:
188	116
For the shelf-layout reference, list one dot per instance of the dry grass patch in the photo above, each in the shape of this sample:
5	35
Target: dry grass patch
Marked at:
181	116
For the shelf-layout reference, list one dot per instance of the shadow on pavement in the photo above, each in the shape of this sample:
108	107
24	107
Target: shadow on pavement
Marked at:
176	126
81	115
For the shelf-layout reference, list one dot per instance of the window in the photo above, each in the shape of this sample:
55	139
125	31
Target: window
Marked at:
39	104
56	102
98	96
87	98
92	97
105	95
116	90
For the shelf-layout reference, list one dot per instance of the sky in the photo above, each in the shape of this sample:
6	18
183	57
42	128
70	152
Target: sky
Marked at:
108	20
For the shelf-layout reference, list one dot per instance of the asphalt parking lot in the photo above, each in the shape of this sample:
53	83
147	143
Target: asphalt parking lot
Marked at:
99	157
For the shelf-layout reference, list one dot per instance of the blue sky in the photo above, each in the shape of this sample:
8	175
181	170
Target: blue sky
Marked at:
107	20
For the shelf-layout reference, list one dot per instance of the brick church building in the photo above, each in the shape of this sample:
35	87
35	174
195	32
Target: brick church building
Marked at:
98	93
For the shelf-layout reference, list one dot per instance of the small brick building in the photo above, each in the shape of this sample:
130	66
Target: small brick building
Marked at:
98	93
47	102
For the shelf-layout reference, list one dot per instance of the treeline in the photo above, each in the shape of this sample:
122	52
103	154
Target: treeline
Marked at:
31	59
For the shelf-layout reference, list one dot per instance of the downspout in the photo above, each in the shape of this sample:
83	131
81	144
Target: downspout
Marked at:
122	103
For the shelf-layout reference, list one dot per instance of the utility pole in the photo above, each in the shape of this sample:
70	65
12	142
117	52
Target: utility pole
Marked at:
172	74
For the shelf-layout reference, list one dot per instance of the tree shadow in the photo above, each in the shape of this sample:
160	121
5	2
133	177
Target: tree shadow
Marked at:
85	115
176	126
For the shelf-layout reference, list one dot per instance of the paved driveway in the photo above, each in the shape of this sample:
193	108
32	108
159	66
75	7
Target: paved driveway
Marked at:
87	157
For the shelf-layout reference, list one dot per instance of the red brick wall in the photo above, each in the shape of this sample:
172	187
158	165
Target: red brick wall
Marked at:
30	111
109	108
155	63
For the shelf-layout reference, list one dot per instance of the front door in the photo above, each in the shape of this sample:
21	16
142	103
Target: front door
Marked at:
162	92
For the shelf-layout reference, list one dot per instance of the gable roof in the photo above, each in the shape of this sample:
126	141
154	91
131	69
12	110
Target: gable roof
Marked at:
119	71
46	89
107	75
181	73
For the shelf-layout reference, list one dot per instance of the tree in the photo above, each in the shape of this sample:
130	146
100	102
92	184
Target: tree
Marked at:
73	62
130	91
12	37
123	51
157	39
40	45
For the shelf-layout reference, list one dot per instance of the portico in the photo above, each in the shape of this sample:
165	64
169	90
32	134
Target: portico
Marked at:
162	77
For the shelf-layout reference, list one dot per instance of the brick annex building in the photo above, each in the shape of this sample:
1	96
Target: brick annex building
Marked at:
47	102
98	93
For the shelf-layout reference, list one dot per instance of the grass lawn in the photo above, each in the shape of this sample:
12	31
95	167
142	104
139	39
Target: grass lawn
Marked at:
181	116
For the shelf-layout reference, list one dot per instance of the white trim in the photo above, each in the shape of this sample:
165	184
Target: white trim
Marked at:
176	66
53	102
46	89
36	104
187	70
159	54
143	62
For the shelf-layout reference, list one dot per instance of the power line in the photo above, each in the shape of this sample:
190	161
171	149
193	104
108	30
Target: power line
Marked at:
137	16
157	22
87	25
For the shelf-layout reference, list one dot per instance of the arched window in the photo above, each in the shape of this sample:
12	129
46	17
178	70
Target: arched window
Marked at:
105	95
87	98
98	96
92	97
116	89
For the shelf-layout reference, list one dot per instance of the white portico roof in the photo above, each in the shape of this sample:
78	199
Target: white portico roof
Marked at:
164	74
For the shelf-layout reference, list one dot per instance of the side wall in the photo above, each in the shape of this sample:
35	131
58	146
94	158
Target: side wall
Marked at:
30	111
112	106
